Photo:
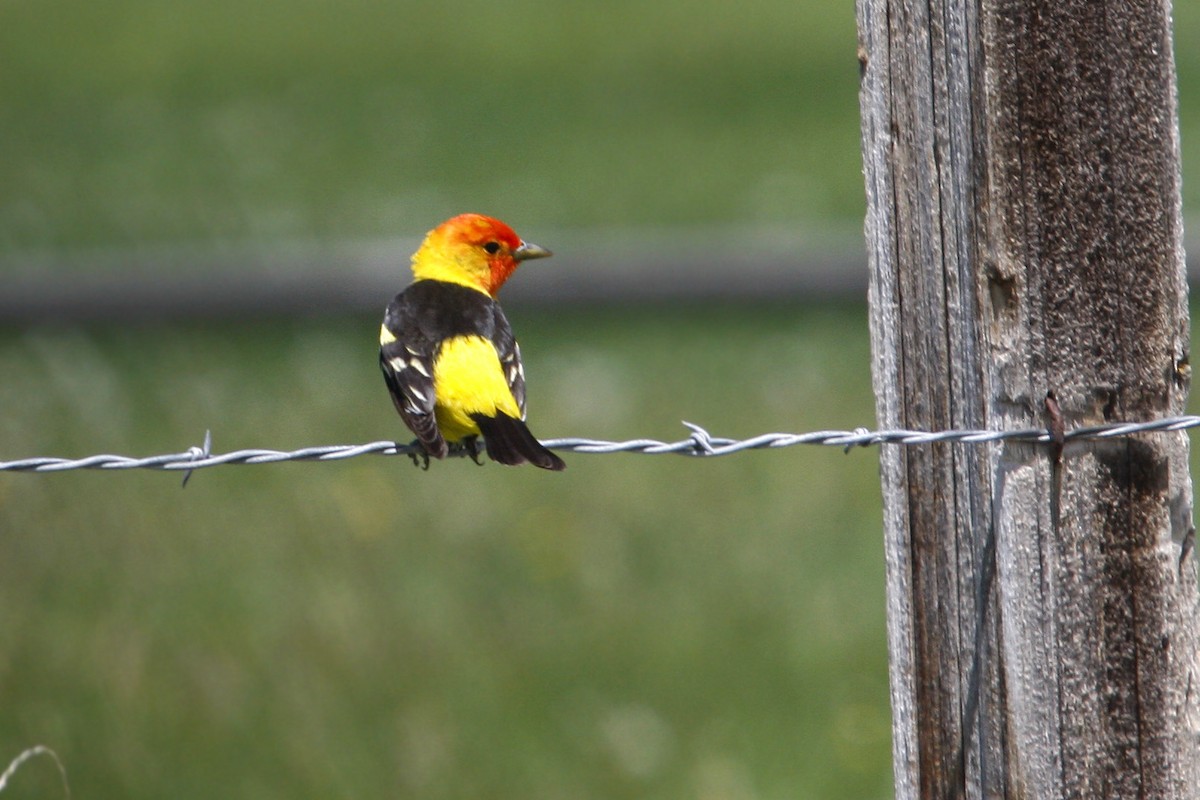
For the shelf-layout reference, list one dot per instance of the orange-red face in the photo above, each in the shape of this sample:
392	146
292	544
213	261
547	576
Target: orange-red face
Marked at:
474	249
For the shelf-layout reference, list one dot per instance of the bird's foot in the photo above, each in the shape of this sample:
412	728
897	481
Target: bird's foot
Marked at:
469	447
475	450
419	455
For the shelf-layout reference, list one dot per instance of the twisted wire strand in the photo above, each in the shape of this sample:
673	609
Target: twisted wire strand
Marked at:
699	444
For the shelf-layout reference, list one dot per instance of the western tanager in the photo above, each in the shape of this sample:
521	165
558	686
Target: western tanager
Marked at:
446	349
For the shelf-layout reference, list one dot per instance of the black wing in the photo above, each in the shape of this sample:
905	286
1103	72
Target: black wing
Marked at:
508	440
407	364
510	357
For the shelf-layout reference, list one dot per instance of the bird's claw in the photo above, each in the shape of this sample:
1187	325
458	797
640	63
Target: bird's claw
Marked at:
468	447
475	452
419	455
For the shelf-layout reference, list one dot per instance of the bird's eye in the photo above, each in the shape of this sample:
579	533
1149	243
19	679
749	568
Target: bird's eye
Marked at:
492	247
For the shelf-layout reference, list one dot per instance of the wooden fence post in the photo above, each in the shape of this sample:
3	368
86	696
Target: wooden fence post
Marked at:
1024	229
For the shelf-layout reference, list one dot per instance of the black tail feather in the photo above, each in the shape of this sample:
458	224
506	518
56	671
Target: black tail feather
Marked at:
508	441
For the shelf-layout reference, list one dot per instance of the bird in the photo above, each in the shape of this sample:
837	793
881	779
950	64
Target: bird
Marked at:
449	358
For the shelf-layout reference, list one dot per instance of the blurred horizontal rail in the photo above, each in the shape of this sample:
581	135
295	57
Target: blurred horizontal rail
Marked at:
308	278
361	276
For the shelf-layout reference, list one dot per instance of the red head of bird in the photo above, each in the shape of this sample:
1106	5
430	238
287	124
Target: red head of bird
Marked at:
472	250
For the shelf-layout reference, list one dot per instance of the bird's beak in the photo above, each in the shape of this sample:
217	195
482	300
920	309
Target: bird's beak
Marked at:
529	250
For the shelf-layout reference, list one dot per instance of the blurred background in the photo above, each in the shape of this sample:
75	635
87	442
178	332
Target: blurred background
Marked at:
203	210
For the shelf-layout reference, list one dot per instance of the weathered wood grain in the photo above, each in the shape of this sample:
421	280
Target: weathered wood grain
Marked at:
1024	232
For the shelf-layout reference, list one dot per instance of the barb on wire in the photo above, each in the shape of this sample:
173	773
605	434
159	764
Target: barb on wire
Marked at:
700	443
204	451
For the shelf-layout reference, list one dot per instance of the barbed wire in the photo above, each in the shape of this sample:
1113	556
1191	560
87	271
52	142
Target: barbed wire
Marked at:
699	444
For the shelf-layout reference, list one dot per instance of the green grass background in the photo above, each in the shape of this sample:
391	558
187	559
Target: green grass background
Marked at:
128	121
643	627
634	627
